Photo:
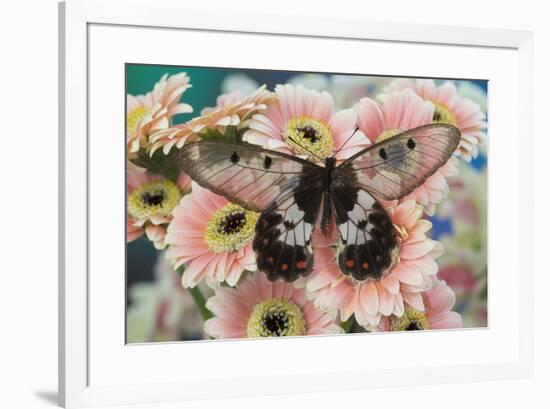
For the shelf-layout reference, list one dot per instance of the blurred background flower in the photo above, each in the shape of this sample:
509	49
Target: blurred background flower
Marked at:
463	232
161	310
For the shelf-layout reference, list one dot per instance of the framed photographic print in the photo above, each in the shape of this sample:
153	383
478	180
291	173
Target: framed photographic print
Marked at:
260	217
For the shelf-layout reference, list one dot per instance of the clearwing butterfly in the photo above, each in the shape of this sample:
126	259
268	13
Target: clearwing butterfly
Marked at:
294	194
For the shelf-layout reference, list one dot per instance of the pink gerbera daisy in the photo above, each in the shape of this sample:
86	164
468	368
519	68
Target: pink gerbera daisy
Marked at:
153	111
437	314
230	111
411	271
303	122
224	101
212	236
150	200
403	110
452	109
261	308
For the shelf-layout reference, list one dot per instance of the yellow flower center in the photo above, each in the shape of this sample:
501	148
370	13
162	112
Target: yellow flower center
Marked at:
157	198
133	117
412	320
276	317
307	136
230	228
388	133
442	114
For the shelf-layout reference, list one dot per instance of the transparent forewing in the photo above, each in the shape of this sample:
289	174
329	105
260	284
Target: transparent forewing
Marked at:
245	174
395	167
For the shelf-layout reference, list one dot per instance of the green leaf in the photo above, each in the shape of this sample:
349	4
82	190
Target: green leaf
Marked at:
231	134
159	163
210	134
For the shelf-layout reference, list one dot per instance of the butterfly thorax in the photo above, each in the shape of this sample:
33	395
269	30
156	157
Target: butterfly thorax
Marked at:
330	165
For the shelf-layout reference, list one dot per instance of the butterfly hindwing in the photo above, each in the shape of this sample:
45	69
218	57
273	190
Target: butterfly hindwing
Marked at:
395	167
244	174
366	232
283	233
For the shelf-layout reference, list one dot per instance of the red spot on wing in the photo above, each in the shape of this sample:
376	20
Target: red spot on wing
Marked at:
301	264
350	263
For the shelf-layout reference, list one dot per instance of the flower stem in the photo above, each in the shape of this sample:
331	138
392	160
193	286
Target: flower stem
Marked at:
346	325
200	302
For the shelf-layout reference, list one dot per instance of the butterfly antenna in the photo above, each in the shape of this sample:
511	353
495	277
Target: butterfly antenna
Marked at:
306	149
347	140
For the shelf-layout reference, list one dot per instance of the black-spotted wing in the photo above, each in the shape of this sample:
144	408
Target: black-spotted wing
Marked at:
285	189
389	170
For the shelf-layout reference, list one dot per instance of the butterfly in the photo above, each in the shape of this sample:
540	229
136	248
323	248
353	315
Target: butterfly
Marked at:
293	195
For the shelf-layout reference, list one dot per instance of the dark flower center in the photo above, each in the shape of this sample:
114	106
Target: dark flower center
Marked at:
276	323
233	223
308	133
413	326
153	199
437	116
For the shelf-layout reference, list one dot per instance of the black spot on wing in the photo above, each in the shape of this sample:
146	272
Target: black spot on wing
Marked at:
267	162
235	157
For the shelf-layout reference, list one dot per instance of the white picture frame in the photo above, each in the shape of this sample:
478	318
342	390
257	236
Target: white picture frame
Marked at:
101	377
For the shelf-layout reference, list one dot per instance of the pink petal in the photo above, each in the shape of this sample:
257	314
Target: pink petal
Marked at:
414	300
369	298
404	212
196	269
426	265
446	94
341	125
385	300
440	298
408	274
398	306
218	328
391	283
426	89
415	250
394	108
323	108
370	118
449	320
